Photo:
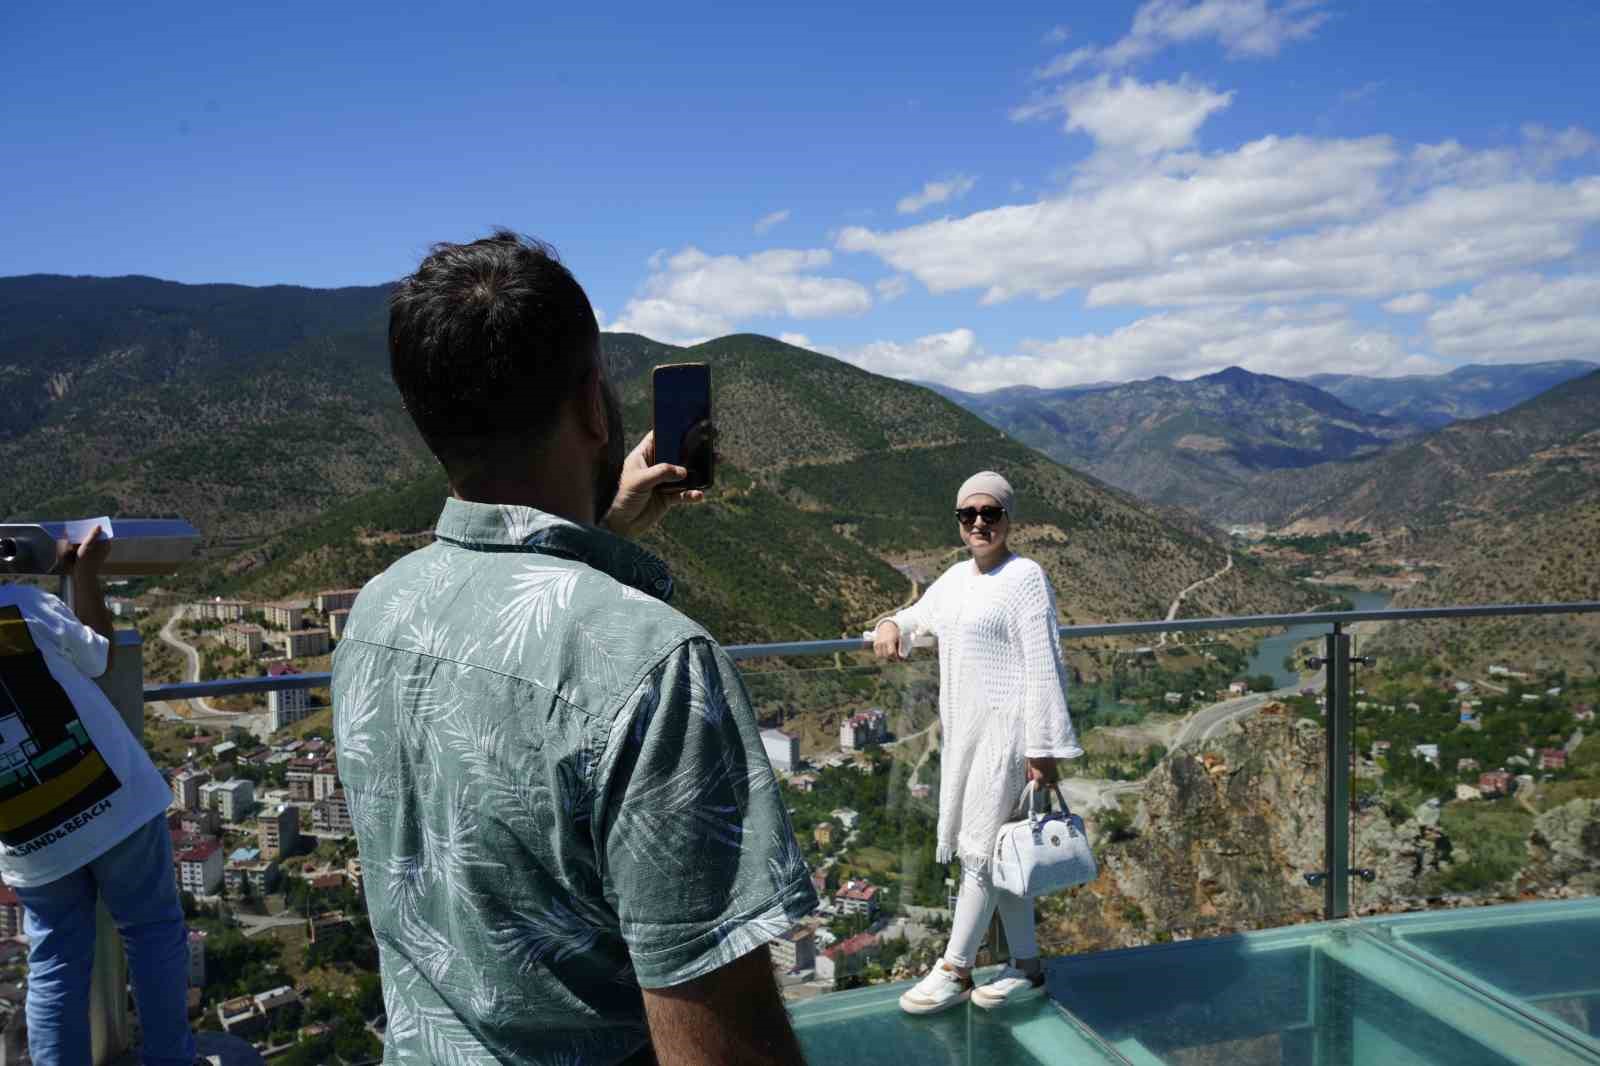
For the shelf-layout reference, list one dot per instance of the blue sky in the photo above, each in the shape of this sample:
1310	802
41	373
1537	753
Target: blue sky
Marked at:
1049	194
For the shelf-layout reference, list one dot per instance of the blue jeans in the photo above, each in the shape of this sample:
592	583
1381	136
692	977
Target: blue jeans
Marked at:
135	879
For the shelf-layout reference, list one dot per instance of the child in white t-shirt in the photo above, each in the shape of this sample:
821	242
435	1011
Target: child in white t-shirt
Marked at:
82	817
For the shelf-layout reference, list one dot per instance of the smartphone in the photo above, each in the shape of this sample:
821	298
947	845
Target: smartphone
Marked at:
685	435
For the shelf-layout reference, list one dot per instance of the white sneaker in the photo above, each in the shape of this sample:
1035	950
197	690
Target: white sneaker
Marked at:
942	989
1010	985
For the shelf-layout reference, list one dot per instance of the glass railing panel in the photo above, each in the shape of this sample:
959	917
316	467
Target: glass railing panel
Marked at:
1545	957
1318	995
1477	768
856	747
1202	788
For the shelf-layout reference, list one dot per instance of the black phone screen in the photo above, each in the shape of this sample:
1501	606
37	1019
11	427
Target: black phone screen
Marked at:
684	433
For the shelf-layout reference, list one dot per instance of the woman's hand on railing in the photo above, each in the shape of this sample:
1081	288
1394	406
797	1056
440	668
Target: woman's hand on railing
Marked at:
886	640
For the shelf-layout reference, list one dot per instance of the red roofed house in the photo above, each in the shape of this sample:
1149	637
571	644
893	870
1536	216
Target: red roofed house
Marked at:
200	868
846	958
1495	782
1552	759
10	912
858	897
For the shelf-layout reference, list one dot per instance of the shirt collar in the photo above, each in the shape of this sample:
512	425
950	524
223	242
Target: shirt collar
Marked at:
506	527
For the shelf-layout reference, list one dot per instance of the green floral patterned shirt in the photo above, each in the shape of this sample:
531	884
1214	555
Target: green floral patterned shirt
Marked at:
559	791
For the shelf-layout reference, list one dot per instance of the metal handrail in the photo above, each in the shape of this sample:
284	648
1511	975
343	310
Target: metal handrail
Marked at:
1334	877
241	686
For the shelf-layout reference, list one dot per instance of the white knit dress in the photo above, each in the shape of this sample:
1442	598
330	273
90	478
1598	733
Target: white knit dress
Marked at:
1002	695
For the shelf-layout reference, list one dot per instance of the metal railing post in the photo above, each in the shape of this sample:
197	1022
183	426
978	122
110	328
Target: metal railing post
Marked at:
1336	814
110	1034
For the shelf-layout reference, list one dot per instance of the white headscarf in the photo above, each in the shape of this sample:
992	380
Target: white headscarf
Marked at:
988	483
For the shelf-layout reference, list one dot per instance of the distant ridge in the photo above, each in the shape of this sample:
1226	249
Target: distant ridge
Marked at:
1187	442
1434	401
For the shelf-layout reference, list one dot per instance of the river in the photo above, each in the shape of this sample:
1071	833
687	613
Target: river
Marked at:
1268	657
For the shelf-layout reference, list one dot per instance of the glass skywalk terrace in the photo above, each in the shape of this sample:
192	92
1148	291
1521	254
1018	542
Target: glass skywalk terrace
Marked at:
1357	991
1511	983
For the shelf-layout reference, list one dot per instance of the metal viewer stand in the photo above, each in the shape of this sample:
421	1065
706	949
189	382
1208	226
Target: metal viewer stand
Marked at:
140	547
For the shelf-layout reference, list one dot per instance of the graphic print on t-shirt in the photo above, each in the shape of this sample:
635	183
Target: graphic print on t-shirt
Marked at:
50	771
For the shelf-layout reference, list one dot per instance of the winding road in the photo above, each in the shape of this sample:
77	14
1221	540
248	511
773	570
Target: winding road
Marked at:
208	713
191	656
1172	612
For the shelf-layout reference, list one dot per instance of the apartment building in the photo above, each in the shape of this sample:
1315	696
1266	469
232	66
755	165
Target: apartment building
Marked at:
305	643
284	614
332	815
783	750
286	706
324	780
301	776
200	868
10	912
335	600
244	638
796	949
232	799
337	620
279	832
186	786
197	958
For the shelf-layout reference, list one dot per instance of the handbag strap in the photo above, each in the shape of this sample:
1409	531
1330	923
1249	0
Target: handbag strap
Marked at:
1029	791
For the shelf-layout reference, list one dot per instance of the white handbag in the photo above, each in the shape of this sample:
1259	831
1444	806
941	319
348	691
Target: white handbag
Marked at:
1045	852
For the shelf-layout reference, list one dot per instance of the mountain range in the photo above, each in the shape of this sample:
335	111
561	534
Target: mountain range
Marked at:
1192	442
1435	400
266	416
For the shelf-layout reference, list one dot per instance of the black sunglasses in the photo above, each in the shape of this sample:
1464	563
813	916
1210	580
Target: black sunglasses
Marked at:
990	515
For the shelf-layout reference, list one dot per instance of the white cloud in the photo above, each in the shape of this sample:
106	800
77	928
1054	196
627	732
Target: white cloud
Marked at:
1410	304
1184	206
1541	151
892	288
1145	118
1449	236
1286	341
1057	34
1521	318
766	222
1067	62
1360	93
693	296
936	357
936	192
1242	27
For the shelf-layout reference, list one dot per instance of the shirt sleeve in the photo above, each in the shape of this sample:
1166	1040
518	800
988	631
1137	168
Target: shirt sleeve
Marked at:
700	861
48	617
1033	618
921	616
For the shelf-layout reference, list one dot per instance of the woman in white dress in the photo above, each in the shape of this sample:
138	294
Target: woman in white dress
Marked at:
1004	722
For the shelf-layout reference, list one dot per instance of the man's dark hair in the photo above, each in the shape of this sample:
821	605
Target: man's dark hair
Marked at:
486	340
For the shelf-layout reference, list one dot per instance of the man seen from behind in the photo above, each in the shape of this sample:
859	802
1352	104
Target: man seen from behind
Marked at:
573	843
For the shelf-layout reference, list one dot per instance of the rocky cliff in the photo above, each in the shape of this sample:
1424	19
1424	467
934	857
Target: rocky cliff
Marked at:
1226	830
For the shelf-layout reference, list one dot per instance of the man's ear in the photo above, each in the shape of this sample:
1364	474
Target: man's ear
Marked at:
591	408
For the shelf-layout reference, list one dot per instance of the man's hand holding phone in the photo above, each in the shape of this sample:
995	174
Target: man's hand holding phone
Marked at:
647	492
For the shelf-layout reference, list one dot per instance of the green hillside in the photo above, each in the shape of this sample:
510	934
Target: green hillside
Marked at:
1502	466
266	417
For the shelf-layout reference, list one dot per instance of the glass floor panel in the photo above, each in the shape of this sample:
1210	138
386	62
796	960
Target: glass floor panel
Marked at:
1403	991
1545	957
867	1026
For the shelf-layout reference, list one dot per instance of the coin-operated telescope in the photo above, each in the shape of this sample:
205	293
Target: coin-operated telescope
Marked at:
140	547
